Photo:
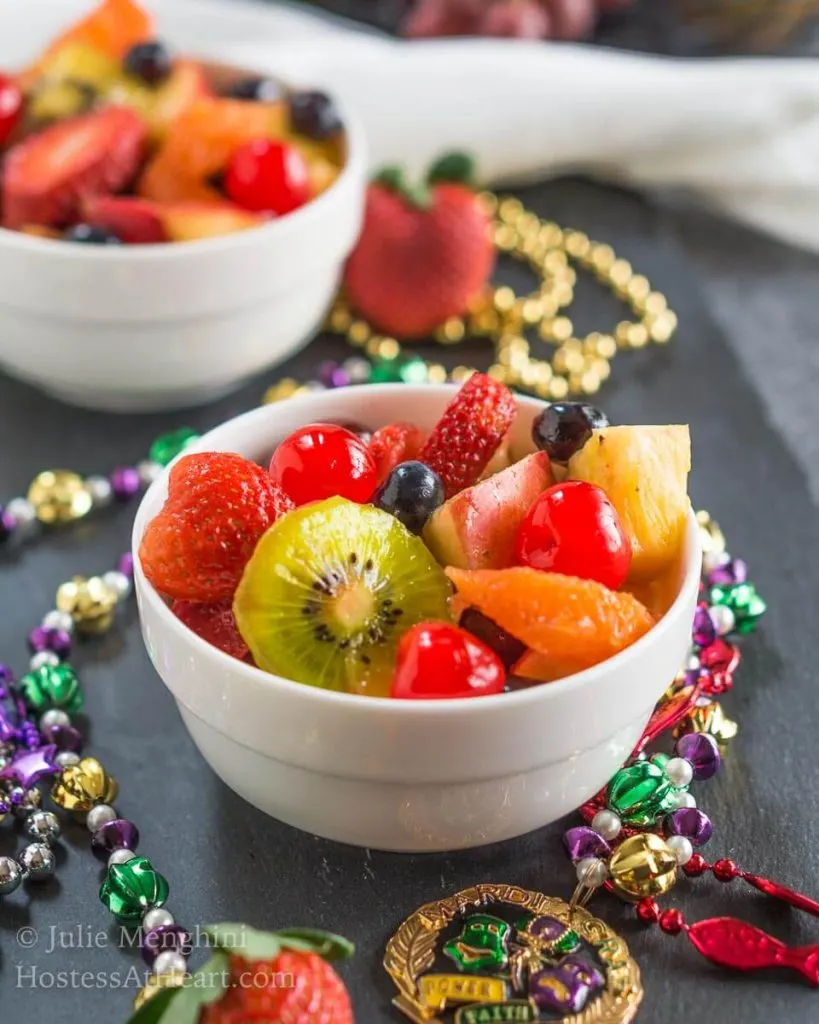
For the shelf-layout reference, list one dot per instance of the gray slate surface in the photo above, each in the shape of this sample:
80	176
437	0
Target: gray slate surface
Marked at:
741	371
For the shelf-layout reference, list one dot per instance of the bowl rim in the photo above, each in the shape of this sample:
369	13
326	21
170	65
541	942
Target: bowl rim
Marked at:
353	169
534	694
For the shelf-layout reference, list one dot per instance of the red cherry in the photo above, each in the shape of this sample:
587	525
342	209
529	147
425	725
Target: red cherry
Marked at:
323	460
575	530
268	177
11	106
437	660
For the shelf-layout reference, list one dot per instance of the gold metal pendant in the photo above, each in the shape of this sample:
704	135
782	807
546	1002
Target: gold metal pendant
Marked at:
498	954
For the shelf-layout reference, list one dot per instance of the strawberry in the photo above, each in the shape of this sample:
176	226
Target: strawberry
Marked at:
47	176
423	254
134	221
470	430
219	505
291	988
214	623
395	443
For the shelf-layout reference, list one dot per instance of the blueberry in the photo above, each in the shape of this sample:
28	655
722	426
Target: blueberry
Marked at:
150	62
411	493
90	234
564	427
507	647
258	88
314	114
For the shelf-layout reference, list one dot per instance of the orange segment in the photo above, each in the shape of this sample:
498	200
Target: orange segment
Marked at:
543	668
114	27
162	183
207	134
570	620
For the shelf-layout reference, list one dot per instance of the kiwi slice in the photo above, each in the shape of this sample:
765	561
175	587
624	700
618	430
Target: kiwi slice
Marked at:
329	591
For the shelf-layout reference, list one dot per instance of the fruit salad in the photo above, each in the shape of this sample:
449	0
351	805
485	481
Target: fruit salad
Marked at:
427	565
111	138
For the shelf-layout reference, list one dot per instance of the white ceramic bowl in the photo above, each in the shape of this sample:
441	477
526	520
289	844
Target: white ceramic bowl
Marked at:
405	775
143	328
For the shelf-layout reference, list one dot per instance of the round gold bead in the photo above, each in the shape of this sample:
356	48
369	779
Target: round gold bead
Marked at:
643	865
155	984
606	346
550	234
567	276
504	299
436	373
563	294
505	238
662	327
371	347
655	303
388	348
589	381
59	496
485	322
498	372
284	388
712	538
531	311
509	209
601	257
527	223
620	273
89	602
451	331
558	388
638	336
358	333
577	244
561	328
462	373
339	320
638	289
556	262
602	367
528	375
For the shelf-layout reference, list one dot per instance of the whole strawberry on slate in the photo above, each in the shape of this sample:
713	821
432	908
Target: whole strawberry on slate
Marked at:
425	250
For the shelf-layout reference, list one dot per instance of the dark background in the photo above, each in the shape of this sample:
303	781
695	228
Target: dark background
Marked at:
742	372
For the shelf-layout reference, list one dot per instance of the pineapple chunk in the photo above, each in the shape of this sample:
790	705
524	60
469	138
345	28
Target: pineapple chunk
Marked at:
644	472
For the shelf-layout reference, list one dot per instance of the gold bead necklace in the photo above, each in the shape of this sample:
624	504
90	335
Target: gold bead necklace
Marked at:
577	365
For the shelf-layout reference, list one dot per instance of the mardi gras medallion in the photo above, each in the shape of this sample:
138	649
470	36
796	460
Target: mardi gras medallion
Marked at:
498	954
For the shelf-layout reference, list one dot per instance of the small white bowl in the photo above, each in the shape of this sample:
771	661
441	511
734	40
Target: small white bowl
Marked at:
153	327
404	775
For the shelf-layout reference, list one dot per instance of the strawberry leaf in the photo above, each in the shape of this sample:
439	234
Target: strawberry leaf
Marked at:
394	179
312	940
452	167
245	942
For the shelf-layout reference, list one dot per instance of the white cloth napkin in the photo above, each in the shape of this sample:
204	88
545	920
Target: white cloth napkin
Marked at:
742	134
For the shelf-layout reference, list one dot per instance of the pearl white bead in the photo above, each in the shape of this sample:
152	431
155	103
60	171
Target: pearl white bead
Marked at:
58	620
67	759
714	559
606	824
679	772
149	471
156	917
54	717
170	962
100	490
684	800
22	511
723	618
681	847
692	662
42	658
118	582
120	857
99	816
591	871
357	369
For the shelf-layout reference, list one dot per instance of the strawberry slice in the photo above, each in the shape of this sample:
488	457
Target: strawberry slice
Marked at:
395	443
133	221
47	177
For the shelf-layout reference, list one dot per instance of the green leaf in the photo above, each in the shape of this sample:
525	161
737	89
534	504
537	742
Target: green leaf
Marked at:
245	942
392	178
456	167
185	1009
153	1011
313	940
210	981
